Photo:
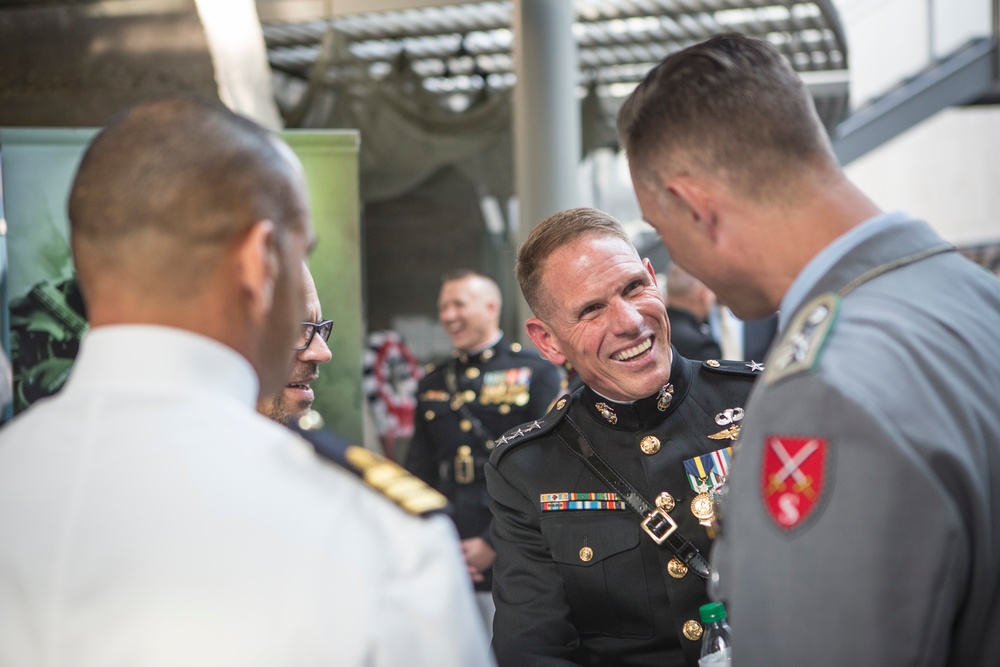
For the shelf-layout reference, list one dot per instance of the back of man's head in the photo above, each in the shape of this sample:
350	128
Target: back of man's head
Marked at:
548	236
165	187
732	107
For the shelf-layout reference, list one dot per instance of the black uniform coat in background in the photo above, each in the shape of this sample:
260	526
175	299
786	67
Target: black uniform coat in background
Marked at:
589	587
693	339
500	387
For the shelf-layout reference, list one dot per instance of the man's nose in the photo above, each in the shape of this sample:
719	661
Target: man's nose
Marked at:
625	317
318	351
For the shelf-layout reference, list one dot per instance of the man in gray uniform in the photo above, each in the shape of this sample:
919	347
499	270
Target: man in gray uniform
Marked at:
862	525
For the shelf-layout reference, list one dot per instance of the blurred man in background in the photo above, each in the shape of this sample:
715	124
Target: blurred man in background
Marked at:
689	304
464	404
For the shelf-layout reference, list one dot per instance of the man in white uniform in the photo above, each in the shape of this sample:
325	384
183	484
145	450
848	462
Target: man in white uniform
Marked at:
148	514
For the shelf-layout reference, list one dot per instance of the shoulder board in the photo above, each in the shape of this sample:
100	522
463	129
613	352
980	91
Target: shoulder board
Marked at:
386	477
729	367
531	430
800	346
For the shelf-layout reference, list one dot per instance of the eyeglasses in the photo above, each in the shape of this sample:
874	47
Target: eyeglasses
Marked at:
310	329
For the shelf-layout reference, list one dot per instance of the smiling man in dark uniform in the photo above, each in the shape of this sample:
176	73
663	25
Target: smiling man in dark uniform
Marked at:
464	404
587	573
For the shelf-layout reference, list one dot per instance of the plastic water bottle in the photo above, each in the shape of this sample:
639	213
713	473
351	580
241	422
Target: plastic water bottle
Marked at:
716	643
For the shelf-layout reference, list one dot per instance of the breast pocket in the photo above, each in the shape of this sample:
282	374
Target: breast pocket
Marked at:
598	556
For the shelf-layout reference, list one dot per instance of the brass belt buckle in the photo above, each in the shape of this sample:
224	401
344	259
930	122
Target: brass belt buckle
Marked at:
662	520
465	467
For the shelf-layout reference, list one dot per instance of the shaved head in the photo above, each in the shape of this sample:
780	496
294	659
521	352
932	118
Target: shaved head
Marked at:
166	186
184	214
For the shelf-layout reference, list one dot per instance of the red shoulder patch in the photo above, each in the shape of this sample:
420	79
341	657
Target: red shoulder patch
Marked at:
793	475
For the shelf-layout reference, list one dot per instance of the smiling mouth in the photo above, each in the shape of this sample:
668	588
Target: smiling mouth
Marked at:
633	352
303	384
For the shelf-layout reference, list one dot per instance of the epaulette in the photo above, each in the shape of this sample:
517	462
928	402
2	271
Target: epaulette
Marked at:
386	477
729	367
799	348
530	430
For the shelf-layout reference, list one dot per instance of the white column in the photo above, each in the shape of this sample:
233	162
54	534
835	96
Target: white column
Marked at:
546	111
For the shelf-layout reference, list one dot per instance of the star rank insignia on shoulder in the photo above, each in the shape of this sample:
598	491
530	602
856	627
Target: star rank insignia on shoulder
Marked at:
530	430
800	347
386	477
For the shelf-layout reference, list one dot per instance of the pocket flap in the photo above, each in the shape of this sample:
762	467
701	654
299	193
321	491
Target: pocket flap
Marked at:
588	538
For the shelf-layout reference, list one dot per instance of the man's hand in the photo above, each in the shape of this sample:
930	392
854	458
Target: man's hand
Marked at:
479	557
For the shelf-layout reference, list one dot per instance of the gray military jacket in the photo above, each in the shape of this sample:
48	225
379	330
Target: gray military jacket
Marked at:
862	525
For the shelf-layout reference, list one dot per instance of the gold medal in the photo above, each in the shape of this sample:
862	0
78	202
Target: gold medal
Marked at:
703	509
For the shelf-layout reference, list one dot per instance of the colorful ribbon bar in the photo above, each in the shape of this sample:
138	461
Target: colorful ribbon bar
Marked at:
555	502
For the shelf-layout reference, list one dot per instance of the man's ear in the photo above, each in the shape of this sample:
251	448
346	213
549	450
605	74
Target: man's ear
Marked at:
544	340
652	272
695	201
257	258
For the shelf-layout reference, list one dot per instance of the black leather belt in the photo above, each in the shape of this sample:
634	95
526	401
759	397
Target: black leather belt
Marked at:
655	522
463	471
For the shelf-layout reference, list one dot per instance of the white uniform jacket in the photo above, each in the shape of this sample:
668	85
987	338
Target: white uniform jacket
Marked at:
148	516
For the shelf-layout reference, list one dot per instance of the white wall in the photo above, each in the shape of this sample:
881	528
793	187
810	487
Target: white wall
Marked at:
947	169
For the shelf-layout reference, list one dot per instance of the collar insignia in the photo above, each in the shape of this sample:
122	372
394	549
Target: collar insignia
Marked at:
664	398
607	412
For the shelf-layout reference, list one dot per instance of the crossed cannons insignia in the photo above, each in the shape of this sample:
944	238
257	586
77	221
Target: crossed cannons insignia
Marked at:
793	474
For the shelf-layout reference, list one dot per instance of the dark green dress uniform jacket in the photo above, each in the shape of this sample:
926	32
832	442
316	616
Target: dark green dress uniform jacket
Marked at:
885	550
499	388
588	586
